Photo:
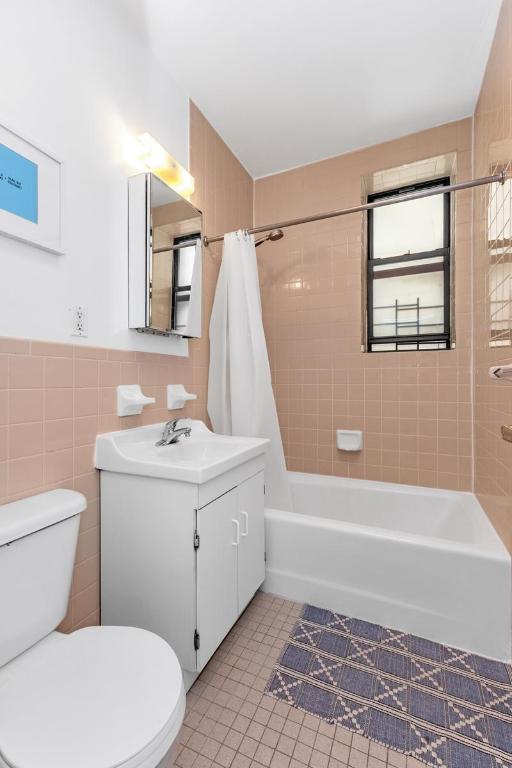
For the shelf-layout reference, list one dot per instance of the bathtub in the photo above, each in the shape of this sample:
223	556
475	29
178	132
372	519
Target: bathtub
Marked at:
420	560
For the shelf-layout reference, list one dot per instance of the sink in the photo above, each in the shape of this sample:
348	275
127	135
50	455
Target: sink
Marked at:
194	459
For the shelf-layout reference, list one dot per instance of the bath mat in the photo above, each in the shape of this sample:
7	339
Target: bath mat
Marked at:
445	707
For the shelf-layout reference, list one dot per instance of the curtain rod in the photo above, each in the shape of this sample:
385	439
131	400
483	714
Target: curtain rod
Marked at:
441	190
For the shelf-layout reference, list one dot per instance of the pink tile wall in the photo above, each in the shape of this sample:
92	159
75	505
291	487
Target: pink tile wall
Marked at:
414	408
493	400
55	398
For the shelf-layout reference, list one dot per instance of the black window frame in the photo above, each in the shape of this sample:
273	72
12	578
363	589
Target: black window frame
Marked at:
445	252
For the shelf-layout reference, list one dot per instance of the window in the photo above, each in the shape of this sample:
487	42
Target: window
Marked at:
409	271
184	256
499	274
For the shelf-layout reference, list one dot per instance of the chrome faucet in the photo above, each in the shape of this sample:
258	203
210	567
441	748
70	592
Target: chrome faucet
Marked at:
171	435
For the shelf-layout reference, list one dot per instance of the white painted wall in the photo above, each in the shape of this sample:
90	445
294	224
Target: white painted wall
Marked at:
77	79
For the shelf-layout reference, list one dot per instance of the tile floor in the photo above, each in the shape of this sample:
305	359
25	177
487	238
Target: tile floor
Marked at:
231	723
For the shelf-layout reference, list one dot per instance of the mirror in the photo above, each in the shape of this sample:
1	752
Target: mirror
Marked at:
165	259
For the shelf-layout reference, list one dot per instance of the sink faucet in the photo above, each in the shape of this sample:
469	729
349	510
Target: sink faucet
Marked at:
171	435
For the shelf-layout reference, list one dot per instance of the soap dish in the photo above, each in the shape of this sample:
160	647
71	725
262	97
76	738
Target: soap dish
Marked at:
177	396
131	400
349	439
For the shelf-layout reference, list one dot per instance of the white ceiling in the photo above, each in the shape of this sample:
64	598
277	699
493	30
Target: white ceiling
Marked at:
288	82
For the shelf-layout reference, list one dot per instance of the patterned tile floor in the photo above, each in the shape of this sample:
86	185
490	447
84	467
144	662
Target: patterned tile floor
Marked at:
231	723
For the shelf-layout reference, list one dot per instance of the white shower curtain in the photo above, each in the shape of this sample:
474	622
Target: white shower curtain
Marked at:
240	396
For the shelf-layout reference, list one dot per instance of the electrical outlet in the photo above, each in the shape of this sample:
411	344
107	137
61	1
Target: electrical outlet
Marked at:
78	321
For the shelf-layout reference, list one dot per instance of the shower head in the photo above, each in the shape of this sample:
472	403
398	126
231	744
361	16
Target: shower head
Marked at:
275	234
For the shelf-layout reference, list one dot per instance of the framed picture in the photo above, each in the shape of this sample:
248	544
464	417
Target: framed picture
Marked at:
30	191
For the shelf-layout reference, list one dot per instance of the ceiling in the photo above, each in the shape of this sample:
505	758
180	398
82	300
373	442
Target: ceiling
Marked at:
289	82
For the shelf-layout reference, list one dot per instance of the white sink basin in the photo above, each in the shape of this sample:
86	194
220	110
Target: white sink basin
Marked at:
193	459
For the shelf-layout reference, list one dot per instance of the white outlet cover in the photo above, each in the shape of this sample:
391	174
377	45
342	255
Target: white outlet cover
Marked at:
78	321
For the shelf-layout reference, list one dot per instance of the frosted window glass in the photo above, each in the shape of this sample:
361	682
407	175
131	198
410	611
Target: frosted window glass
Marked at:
408	304
498	211
187	257
411	227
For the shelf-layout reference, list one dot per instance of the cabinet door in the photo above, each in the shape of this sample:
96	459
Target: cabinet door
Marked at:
251	551
217	599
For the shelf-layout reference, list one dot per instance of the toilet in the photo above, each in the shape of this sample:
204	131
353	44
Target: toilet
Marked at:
100	697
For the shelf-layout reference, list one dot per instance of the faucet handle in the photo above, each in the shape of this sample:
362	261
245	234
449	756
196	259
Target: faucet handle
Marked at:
170	427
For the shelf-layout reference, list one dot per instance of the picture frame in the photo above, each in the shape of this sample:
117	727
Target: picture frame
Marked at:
30	192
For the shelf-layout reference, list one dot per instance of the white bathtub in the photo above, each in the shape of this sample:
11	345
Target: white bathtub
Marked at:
420	560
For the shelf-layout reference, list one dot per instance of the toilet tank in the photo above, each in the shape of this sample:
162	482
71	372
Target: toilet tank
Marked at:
38	537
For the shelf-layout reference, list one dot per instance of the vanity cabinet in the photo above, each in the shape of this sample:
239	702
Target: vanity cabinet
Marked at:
230	561
182	560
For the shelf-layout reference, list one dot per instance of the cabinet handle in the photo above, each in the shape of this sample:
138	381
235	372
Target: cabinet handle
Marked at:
237	533
245	516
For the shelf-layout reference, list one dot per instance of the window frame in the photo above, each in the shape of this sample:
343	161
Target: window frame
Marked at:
179	292
445	251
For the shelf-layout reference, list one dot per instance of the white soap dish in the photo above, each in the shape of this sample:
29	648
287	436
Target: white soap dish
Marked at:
177	396
131	400
349	439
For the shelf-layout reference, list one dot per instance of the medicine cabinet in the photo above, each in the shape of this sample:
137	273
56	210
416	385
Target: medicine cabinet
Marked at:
164	259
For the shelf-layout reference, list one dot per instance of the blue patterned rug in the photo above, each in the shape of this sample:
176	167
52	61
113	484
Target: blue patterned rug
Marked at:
445	707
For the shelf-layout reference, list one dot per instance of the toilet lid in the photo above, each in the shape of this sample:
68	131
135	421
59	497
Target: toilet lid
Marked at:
93	700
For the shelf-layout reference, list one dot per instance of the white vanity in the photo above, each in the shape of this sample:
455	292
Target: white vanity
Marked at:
182	536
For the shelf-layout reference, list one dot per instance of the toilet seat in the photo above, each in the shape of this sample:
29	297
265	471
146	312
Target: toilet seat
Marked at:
102	697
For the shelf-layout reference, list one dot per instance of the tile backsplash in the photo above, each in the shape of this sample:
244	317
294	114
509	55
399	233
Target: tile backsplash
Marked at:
54	400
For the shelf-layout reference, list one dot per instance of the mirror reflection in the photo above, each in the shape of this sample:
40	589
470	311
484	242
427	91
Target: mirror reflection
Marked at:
172	252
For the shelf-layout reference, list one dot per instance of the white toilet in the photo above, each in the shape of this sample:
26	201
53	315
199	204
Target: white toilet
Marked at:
101	697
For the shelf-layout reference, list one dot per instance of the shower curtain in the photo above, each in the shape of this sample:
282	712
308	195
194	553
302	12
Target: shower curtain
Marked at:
240	396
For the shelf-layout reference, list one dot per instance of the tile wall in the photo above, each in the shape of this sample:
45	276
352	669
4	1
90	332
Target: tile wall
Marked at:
414	408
